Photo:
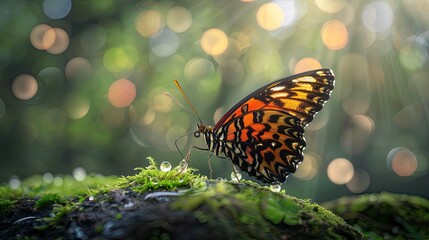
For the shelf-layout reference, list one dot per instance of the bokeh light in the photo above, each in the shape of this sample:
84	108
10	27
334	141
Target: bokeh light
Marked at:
14	182
306	64
214	41
377	16
308	168
270	16
402	161
118	59
149	23
122	93
198	68
162	103
179	19
165	44
413	54
24	86
360	181
60	43
93	38
79	174
48	177
335	35
42	36
355	137
290	11
58	181
340	171
78	68
331	6
76	107
57	9
422	157
408	117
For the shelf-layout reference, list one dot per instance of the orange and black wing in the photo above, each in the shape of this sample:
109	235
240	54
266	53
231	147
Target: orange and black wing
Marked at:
301	95
264	133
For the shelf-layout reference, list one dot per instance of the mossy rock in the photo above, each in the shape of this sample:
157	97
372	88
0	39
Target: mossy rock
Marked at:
385	215
176	204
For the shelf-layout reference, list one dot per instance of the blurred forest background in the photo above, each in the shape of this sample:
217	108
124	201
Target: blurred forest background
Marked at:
82	83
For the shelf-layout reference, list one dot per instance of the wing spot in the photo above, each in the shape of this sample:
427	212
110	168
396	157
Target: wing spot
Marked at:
244	108
257	117
274	118
269	156
295	145
278	88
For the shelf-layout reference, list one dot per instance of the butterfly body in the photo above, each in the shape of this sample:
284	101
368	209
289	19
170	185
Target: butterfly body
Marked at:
263	134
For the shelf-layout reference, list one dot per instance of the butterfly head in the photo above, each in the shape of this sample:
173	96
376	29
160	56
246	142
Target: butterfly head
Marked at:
203	129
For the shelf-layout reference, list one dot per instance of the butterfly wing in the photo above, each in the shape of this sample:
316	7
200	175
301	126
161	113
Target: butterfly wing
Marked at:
264	133
301	95
267	144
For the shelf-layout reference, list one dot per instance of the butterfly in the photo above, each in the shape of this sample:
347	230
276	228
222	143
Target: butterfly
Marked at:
263	134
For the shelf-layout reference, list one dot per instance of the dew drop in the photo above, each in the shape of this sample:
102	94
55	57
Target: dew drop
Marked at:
165	166
275	187
219	179
129	205
236	176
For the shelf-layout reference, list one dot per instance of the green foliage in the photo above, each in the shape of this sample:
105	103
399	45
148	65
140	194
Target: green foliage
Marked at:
253	205
385	215
7	192
278	210
152	178
35	186
6	205
243	209
49	199
58	213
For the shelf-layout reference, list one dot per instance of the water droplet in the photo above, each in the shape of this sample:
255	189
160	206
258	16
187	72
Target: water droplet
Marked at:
275	187
165	166
236	176
129	205
183	165
219	179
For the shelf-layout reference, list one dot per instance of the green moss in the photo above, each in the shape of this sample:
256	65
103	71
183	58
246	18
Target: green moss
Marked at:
385	215
255	207
157	234
242	210
5	206
35	186
152	178
49	199
8	193
58	213
279	210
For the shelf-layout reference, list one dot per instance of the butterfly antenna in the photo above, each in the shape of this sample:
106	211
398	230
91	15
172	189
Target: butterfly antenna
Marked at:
175	142
187	99
176	101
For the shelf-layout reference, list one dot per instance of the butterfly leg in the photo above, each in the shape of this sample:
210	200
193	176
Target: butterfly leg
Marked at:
210	165
236	173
